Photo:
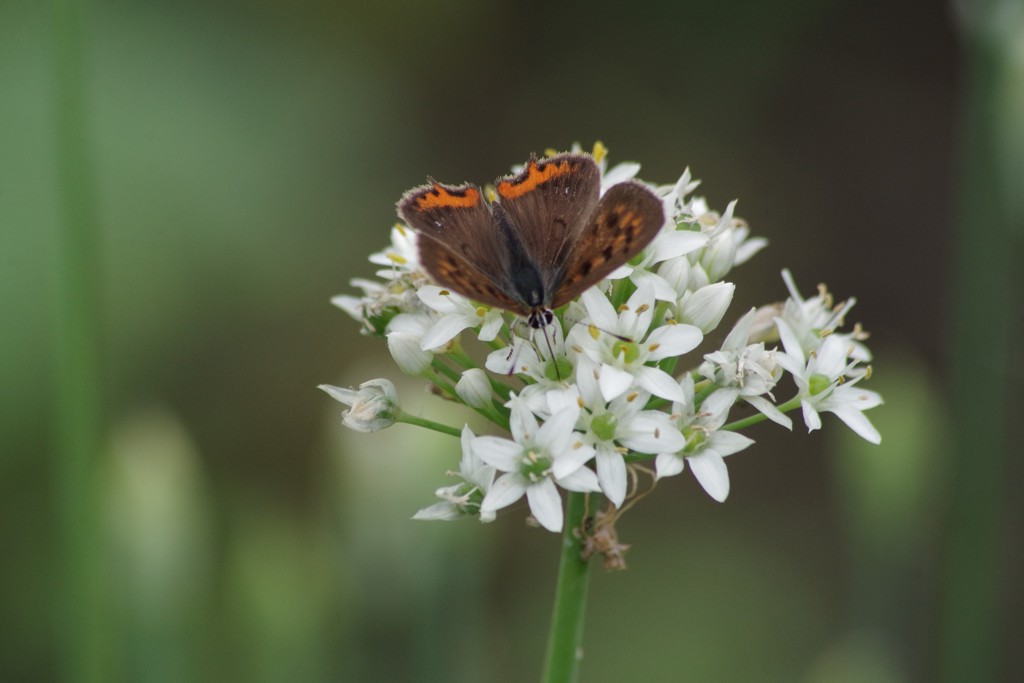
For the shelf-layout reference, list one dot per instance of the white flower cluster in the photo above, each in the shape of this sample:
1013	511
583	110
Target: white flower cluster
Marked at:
615	380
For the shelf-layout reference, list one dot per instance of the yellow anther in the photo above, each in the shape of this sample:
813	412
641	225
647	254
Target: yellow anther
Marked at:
600	151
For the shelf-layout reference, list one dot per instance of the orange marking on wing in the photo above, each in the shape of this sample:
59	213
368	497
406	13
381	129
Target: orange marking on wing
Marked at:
511	189
442	198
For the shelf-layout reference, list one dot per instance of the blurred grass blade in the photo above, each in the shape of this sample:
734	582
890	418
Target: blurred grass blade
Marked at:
78	394
982	312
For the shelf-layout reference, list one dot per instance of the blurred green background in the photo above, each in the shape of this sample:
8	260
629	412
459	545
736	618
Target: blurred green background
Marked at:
217	171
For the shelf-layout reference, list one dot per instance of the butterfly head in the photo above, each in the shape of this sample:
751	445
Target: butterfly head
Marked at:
540	317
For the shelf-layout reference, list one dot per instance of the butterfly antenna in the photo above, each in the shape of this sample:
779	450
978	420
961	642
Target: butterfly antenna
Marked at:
604	331
551	352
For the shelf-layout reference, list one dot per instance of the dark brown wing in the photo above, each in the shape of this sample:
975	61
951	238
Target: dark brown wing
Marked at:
549	203
627	218
458	243
456	273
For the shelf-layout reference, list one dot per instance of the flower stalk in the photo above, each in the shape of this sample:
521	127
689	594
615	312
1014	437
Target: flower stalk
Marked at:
565	639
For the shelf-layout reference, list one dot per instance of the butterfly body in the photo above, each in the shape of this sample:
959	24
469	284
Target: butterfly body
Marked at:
546	239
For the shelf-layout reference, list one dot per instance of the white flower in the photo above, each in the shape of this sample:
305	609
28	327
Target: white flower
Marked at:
457	314
821	380
811	319
620	345
619	173
402	257
474	388
675	195
404	335
534	461
706	307
533	357
381	301
618	427
373	407
706	443
542	360
748	368
460	500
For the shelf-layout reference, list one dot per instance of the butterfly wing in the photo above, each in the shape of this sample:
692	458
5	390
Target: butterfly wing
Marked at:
625	221
549	203
458	243
450	270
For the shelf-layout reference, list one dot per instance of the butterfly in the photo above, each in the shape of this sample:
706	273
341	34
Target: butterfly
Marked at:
546	239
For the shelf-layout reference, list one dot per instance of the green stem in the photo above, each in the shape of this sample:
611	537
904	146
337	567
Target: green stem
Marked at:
757	418
408	419
566	637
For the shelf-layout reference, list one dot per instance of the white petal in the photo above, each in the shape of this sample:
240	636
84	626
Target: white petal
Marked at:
412	358
415	324
441	300
556	399
517	358
350	304
859	423
712	474
790	342
651	432
445	329
811	417
571	459
636	319
725	442
663	291
619	173
613	381
831	357
556	434
737	339
502	453
442	511
583	480
469	460
749	248
506	490
587	374
659	383
668	465
769	410
546	504
706	307
793	365
717	406
474	388
611	473
340	394
491	326
600	309
673	340
679	242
